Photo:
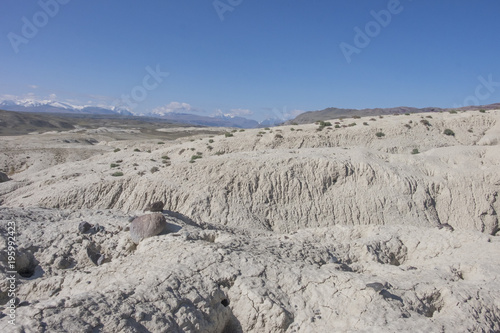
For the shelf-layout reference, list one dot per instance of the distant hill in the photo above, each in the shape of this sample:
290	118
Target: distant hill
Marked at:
335	113
19	123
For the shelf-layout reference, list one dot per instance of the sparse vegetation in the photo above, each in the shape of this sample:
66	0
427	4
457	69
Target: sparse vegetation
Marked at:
113	165
210	148
228	135
407	126
116	150
137	150
352	124
242	130
407	114
337	126
415	151
267	129
448	132
278	136
292	129
154	169
295	124
117	174
210	141
356	117
195	157
373	119
181	151
452	111
425	122
482	110
165	157
380	134
325	123
365	123
219	153
161	143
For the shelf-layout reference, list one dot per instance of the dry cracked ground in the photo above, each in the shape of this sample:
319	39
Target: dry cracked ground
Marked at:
300	228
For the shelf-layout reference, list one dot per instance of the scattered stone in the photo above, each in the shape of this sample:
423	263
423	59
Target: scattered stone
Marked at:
3	177
156	206
377	286
62	263
84	226
147	226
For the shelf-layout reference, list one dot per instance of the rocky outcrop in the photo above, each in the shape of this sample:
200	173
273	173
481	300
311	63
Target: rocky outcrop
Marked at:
212	278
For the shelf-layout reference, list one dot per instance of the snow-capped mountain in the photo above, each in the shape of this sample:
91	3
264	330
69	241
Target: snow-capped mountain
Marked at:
42	106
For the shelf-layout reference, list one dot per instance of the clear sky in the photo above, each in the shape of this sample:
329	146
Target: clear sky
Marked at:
254	58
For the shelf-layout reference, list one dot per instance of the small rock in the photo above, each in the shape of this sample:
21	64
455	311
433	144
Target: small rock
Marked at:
155	206
62	263
3	177
84	226
377	286
147	226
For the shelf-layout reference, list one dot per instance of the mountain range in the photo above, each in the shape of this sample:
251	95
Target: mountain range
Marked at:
55	107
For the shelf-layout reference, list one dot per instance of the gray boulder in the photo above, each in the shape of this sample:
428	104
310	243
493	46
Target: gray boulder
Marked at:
3	177
147	226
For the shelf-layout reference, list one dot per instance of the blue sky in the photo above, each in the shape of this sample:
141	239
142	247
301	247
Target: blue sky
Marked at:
252	58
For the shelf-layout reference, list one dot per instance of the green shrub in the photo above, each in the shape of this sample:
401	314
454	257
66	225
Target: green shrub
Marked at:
415	151
228	135
448	132
325	123
379	134
407	126
154	169
242	130
295	124
117	174
356	117
165	157
278	136
219	153
210	141
116	150
195	157
337	126
425	122
234	131
452	111
137	150
373	119
210	148
113	165
292	129
407	114
482	111
161	143
267	129
365	123
352	124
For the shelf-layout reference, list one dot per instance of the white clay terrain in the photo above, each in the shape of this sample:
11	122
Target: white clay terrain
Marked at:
283	230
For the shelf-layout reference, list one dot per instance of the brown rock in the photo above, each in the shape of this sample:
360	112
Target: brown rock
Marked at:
156	206
147	226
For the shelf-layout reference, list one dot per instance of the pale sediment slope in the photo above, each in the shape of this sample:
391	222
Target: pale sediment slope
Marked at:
289	179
